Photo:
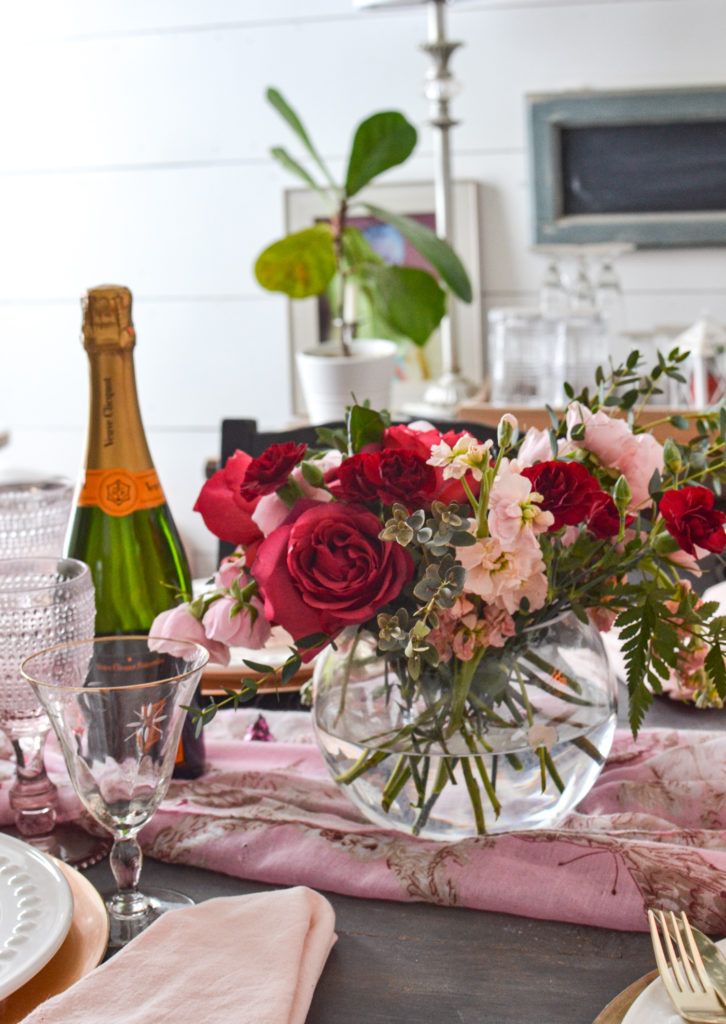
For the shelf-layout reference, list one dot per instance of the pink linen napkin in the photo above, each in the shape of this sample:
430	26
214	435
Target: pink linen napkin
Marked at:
254	959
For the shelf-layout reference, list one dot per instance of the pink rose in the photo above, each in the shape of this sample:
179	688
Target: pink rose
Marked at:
179	624
604	435
534	448
326	568
639	458
230	569
614	444
238	630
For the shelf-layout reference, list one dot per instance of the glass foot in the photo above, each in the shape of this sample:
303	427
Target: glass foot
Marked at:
69	843
124	928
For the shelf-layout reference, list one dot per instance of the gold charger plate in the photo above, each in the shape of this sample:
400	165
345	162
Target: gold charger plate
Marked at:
81	951
615	1011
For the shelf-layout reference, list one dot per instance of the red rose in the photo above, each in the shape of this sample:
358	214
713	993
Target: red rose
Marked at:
271	469
568	490
401	438
224	511
691	518
325	568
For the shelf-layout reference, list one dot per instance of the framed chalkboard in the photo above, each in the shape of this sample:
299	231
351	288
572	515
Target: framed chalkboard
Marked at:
646	167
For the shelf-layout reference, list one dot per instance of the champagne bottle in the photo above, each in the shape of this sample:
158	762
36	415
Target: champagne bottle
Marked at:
122	527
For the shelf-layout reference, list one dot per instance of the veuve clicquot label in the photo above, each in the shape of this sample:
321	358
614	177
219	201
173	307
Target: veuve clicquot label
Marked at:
118	492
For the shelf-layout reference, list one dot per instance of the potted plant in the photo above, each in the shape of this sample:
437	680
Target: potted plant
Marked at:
367	296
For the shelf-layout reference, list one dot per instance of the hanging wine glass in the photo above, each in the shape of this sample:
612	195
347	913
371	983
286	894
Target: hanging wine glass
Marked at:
43	600
116	705
582	292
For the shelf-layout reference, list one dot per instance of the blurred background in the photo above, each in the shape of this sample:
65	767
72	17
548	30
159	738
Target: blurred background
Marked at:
135	150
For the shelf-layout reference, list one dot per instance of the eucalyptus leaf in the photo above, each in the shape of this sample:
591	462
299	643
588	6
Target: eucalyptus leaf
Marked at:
380	142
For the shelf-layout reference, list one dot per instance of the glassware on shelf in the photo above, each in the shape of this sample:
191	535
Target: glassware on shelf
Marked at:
44	600
523	357
582	290
553	299
582	347
117	707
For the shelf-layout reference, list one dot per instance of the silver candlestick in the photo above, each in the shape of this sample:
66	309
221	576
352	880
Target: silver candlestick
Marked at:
452	387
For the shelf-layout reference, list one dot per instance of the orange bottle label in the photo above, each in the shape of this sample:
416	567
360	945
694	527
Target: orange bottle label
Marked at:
118	492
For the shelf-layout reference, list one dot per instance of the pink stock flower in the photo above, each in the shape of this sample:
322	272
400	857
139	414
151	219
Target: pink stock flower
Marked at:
241	629
179	624
512	506
503	577
602	618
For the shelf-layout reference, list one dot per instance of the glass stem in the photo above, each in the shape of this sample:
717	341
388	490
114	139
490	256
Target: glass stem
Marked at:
126	860
33	797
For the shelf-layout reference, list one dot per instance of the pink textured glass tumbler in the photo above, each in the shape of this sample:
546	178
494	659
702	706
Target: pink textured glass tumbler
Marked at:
44	600
34	514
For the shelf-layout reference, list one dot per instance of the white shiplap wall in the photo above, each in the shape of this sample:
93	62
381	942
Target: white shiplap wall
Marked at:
134	140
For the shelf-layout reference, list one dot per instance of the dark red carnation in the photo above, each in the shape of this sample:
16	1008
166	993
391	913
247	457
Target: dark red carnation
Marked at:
325	568
271	469
406	477
225	512
568	490
691	518
356	478
402	438
604	519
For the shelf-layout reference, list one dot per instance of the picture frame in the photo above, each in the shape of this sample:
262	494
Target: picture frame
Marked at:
304	206
645	167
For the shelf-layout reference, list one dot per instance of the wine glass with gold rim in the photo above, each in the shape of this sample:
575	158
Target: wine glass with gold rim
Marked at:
117	707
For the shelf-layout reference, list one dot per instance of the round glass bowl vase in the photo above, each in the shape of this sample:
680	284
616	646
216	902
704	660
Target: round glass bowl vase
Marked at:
513	745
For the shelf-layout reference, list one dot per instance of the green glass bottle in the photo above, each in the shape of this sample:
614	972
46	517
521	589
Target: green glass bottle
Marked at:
122	527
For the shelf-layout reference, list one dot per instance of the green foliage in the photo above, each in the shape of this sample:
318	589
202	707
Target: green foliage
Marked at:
301	265
397	302
380	142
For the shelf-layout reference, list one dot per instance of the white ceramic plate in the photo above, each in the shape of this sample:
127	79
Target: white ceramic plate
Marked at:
653	1005
36	907
81	950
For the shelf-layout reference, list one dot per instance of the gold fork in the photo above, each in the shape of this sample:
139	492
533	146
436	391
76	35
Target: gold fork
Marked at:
682	971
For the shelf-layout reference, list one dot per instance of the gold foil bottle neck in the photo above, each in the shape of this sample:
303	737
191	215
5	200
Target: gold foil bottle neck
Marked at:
107	318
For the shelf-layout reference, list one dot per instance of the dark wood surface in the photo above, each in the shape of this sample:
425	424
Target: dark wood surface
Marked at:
413	963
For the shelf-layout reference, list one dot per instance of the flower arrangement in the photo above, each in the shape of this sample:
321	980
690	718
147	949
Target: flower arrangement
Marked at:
450	551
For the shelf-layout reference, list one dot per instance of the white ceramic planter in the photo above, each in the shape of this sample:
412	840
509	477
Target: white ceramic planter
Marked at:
329	380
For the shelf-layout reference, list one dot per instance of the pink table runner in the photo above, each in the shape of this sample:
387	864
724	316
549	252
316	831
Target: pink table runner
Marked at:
651	831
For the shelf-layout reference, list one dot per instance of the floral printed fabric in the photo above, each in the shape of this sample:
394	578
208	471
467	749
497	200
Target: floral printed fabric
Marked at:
652	831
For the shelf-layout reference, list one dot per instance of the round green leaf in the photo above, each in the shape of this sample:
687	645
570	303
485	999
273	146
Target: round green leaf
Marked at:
410	298
299	265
